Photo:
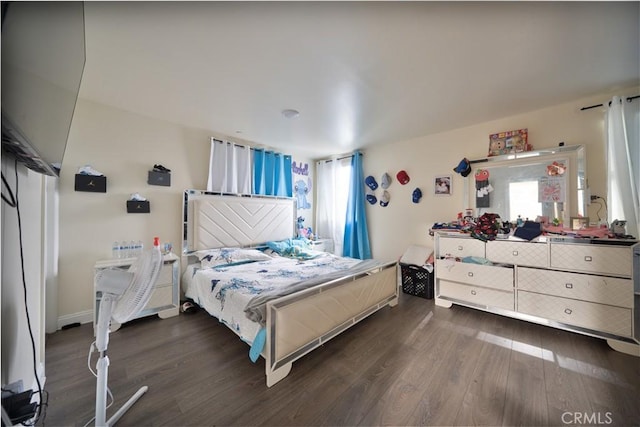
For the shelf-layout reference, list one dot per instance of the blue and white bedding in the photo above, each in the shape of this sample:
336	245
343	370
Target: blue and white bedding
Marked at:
225	290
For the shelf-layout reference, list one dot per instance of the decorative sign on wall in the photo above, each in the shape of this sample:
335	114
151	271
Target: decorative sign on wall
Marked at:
513	141
303	192
302	185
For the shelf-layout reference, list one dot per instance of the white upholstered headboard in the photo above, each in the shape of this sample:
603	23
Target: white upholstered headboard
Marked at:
216	221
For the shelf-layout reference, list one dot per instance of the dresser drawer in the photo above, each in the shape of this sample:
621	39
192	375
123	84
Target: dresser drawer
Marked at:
592	258
460	247
475	274
160	297
476	295
520	253
165	278
598	317
164	299
600	289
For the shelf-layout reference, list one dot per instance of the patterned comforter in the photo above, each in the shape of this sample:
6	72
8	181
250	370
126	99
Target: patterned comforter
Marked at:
226	291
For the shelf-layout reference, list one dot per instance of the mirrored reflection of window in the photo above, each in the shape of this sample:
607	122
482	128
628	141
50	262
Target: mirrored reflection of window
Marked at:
526	185
520	200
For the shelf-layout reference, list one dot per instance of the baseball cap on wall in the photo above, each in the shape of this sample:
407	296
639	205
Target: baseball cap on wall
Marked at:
417	195
385	181
371	197
463	168
371	182
402	177
384	200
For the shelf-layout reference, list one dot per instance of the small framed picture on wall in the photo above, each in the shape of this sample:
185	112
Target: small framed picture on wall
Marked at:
442	185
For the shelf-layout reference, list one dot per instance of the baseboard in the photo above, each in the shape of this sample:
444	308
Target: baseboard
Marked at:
81	317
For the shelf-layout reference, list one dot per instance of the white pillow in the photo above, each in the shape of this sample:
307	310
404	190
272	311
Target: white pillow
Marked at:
215	257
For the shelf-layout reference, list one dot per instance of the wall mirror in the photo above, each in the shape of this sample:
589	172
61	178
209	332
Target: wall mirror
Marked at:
550	183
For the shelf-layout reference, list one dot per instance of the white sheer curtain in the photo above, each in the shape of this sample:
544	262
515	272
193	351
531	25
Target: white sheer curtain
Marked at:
623	162
229	168
332	188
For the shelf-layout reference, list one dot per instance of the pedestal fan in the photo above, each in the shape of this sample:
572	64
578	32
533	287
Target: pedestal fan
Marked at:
124	295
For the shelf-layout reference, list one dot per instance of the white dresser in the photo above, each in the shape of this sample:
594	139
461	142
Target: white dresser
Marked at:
165	297
581	285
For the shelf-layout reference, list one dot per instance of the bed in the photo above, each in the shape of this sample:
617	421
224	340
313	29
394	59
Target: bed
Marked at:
230	274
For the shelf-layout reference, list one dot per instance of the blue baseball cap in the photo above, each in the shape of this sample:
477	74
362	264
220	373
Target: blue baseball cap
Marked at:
417	195
371	182
371	198
463	168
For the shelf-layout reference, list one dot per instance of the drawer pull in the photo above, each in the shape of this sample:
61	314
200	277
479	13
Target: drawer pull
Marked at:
470	274
515	253
588	258
473	292
460	248
568	310
569	285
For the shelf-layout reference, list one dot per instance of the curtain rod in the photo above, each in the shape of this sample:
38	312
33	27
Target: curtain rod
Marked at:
233	143
248	146
345	156
629	99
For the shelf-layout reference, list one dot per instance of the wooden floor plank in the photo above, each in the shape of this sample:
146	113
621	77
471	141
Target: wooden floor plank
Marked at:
442	397
484	399
526	399
414	364
564	381
433	343
404	392
603	386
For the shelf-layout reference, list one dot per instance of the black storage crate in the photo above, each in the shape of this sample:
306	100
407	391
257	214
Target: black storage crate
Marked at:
417	281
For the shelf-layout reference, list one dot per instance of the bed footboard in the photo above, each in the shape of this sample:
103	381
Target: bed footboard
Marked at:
301	322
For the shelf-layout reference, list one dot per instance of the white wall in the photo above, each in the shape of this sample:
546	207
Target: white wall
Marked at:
124	147
17	359
403	223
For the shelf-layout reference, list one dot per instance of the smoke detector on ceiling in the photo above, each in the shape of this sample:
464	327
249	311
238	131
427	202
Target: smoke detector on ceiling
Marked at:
290	113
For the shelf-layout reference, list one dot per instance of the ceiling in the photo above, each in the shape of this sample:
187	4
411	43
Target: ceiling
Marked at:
360	73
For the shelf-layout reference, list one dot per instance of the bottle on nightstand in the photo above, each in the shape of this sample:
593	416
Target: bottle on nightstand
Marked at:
124	249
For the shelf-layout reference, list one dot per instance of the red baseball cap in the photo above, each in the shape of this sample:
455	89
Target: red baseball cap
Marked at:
402	176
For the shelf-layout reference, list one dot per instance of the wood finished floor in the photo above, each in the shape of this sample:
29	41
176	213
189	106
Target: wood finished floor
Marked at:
414	364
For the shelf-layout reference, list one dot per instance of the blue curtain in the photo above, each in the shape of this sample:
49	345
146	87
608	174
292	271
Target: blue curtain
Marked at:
356	235
272	174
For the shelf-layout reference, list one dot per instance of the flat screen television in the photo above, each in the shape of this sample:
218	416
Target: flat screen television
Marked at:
43	57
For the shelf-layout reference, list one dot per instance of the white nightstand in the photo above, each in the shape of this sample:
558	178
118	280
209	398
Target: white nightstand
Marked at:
165	297
325	245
